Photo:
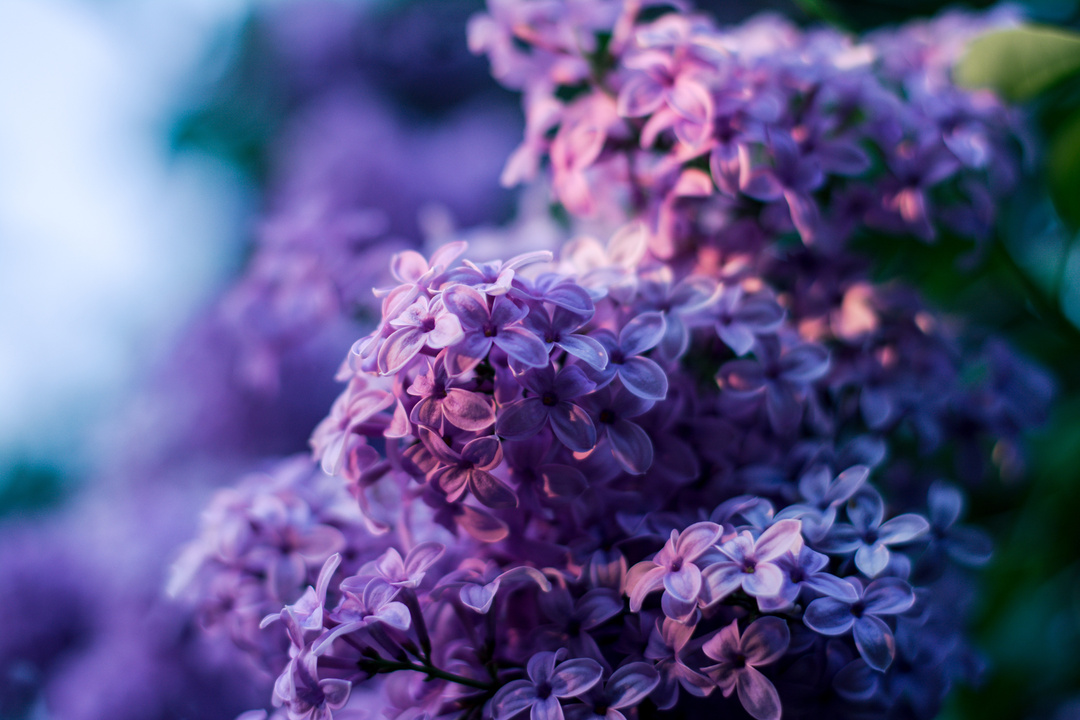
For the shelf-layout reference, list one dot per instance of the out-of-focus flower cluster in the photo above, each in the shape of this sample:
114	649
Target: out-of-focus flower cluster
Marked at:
695	467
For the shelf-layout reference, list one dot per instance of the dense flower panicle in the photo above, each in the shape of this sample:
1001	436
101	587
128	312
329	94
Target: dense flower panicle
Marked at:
760	127
691	466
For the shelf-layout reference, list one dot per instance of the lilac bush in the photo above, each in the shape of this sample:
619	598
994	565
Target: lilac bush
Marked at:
692	466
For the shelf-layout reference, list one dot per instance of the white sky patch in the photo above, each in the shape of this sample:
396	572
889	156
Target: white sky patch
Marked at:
106	242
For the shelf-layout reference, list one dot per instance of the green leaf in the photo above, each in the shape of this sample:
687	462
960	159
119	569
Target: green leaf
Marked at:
1020	63
1063	170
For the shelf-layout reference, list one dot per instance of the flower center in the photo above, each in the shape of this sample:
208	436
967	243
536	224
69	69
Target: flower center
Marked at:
543	690
549	399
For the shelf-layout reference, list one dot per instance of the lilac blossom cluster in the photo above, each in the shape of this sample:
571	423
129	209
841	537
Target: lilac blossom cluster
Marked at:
753	131
688	469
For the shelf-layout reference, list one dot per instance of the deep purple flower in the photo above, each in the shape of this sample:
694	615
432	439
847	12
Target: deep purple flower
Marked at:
873	638
750	564
792	178
468	469
551	402
742	317
639	375
868	537
559	330
549	680
966	545
483	327
626	688
571	620
780	377
668	640
738	658
611	408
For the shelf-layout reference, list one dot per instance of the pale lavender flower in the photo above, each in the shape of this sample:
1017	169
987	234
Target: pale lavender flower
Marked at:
750	564
639	375
484	327
423	323
673	569
869	535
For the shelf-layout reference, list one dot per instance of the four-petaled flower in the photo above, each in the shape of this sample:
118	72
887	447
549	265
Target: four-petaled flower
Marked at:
738	658
550	402
873	638
549	680
673	569
750	564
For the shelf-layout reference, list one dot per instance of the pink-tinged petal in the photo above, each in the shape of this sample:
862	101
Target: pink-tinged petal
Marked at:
631	684
490	491
742	376
521	418
691	100
408	266
765	641
547	709
684	584
398	349
573	427
585	348
765	581
644	378
888	596
640	96
875	642
512	698
804	214
422	557
642	333
478	597
336	692
452	481
467	304
483	452
696	539
777	540
448	253
467	410
562	481
482	525
523	346
721	642
757	695
720	580
642	579
447	331
631	446
903	528
574	677
828	616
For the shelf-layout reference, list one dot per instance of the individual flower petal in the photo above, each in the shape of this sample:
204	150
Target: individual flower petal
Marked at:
828	616
875	642
644	378
757	695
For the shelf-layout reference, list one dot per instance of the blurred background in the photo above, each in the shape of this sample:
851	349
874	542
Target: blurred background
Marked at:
152	151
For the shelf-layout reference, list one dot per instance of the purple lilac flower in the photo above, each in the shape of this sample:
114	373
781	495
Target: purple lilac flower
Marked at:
499	325
738	657
868	536
551	403
445	399
626	687
673	569
639	375
750	564
802	567
873	638
611	408
549	680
